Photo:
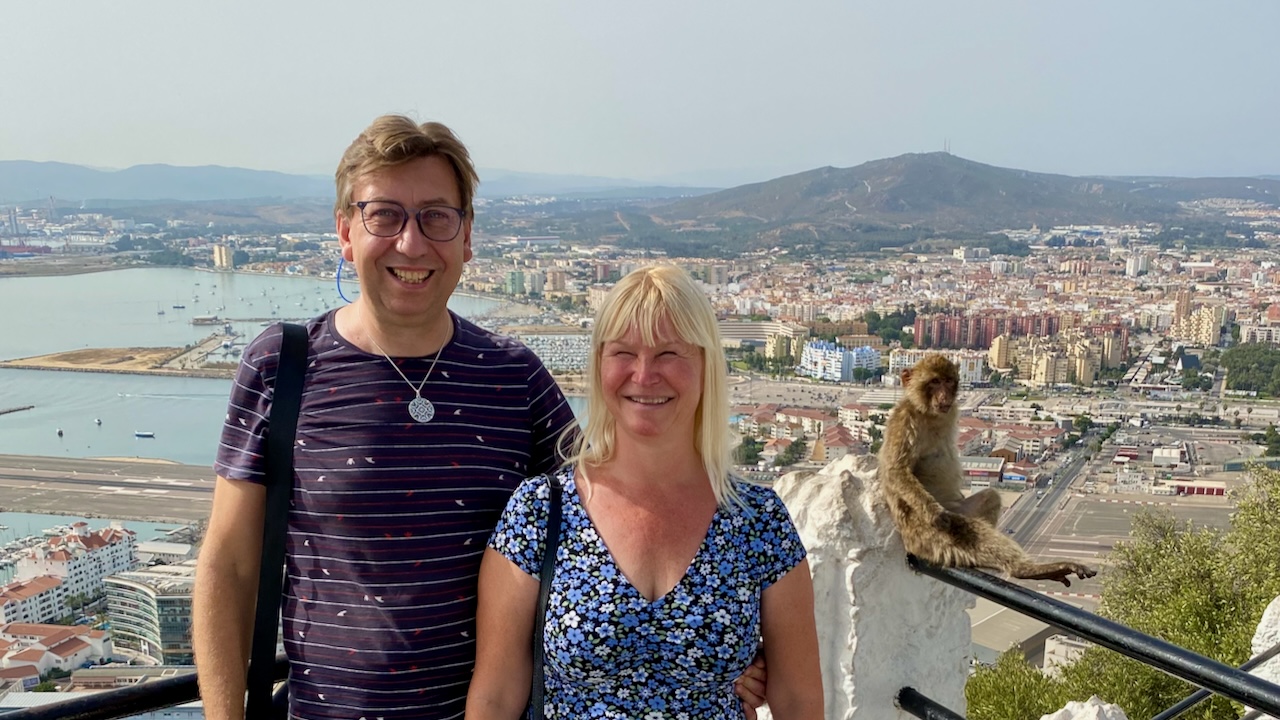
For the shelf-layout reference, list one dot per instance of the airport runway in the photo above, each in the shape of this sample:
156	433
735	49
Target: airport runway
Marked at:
123	489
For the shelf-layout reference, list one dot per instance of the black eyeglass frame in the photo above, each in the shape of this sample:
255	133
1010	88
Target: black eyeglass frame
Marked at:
406	214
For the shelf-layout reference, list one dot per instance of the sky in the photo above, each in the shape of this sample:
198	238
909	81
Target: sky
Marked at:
710	92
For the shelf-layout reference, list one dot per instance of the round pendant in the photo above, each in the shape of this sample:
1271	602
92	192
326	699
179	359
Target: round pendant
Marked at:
421	409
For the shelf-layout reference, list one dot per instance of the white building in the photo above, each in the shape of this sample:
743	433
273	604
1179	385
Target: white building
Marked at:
46	647
828	361
81	558
971	363
35	600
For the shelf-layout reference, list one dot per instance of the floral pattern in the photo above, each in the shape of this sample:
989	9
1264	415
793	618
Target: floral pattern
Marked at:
611	653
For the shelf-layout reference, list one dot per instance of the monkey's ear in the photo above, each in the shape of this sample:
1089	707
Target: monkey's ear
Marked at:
906	376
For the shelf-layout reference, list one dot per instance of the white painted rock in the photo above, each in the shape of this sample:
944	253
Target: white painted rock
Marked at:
1091	709
880	626
1266	637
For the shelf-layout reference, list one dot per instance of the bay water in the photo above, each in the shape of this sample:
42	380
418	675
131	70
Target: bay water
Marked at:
135	308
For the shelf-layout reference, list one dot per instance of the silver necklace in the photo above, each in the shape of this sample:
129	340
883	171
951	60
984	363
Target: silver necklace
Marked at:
420	408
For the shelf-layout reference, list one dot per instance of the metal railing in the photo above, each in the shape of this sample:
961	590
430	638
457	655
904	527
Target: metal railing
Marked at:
1213	676
128	701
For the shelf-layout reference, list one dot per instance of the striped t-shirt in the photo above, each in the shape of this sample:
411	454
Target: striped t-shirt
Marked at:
390	517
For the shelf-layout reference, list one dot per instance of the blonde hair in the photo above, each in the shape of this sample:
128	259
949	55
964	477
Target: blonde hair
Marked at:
642	300
392	140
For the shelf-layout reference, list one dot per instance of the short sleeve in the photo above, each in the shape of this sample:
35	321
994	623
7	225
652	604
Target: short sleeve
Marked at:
774	542
521	532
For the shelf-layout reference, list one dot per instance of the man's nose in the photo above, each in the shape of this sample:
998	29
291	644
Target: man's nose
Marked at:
411	242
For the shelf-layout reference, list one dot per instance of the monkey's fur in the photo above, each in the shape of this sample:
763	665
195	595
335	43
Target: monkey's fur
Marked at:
920	479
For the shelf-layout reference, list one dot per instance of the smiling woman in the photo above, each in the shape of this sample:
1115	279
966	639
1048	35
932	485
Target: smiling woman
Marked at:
670	572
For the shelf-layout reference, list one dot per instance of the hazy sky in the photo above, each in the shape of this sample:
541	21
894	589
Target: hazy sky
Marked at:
697	91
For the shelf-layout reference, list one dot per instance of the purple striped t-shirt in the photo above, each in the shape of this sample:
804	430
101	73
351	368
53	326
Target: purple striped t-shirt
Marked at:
389	516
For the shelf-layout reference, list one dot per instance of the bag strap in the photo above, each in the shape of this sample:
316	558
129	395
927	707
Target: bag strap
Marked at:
281	433
544	593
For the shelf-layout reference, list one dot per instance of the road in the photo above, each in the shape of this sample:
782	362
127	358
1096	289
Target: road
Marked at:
121	489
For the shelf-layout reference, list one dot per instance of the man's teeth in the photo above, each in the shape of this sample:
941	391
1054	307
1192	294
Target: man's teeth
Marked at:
411	276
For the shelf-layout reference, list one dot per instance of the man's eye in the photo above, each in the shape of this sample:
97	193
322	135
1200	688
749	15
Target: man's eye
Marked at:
387	213
433	215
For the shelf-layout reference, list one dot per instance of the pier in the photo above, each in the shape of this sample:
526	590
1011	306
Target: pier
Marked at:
6	411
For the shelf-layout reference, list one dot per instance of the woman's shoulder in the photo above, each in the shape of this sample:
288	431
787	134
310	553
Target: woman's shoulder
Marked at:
757	498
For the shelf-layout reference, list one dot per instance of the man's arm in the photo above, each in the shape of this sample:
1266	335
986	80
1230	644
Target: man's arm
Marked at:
226	591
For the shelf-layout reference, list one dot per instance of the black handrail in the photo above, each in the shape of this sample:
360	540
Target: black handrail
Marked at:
920	706
1164	656
1200	695
127	701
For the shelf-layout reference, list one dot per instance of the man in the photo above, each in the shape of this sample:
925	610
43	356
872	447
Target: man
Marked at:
415	427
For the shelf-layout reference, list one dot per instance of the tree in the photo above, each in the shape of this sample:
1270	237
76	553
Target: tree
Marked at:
46	686
748	453
1083	423
1012	690
1203	589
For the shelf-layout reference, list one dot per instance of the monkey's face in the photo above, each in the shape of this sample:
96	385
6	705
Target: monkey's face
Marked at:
941	394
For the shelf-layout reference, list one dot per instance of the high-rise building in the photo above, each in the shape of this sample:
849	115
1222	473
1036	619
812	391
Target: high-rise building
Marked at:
150	611
222	257
998	356
1182	305
515	282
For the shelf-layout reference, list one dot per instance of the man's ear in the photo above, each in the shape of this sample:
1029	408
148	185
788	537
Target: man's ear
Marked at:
906	377
342	225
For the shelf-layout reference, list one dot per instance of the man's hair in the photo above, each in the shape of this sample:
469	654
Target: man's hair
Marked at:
394	140
642	300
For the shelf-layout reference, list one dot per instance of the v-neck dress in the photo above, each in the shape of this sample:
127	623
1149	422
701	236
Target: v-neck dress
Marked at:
612	653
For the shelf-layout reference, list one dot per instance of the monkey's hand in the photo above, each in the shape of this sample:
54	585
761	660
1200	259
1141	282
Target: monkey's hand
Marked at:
1059	571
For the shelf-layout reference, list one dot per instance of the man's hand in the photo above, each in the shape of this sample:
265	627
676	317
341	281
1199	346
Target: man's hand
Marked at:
751	685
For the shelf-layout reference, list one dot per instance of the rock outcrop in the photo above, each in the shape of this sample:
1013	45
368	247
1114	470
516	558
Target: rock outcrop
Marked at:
880	626
1091	709
1267	637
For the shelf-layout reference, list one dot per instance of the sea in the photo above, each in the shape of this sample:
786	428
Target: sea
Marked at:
136	308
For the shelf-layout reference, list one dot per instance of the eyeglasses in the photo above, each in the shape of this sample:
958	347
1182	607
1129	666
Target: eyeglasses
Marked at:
387	218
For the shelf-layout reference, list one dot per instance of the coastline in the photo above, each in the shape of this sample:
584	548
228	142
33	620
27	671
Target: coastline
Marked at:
157	361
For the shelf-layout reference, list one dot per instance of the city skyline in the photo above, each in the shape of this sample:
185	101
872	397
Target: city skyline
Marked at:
660	93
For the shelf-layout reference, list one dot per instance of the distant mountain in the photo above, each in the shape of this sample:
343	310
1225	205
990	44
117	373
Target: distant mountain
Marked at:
945	192
24	181
496	183
1270	177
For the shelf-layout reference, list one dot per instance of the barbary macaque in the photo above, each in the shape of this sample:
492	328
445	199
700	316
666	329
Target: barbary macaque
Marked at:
920	477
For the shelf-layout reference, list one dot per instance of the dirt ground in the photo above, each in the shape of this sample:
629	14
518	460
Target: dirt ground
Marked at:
135	361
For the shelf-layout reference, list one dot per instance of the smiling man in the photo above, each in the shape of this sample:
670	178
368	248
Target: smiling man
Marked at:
416	425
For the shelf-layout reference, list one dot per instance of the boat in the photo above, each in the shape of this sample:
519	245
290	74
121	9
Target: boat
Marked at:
179	307
97	421
59	432
143	434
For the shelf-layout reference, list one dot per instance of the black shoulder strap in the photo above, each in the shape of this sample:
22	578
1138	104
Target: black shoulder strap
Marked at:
281	431
544	592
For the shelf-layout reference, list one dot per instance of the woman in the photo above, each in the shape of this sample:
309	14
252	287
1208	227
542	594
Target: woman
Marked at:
668	573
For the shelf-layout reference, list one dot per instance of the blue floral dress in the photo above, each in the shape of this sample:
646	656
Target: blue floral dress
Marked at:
610	653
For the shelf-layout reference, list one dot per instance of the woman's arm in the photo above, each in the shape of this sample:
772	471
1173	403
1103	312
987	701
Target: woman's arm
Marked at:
791	646
508	599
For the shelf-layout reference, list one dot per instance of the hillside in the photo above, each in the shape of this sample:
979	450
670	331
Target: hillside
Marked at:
948	192
24	181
